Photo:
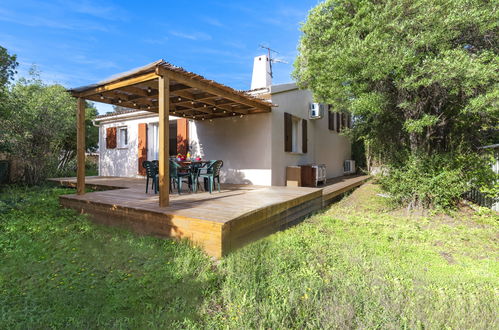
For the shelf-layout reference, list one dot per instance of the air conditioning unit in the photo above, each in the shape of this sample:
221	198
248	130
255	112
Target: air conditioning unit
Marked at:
320	174
316	111
349	167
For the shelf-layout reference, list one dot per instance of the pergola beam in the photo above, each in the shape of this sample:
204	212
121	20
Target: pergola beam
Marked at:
189	101
198	109
139	91
180	78
118	84
179	87
205	100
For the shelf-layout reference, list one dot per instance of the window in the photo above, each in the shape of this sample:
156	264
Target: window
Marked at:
331	117
337	121
122	137
295	134
153	140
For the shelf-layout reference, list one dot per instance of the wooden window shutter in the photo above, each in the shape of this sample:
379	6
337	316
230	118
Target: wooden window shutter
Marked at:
111	137
288	132
182	136
142	142
304	136
330	117
173	138
338	122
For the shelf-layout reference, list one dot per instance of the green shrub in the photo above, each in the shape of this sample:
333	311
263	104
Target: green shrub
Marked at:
38	128
437	181
70	168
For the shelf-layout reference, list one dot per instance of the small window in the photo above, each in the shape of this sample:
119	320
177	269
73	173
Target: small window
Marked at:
295	134
122	137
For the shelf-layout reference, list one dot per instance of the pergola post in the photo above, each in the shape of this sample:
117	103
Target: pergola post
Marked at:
164	140
80	147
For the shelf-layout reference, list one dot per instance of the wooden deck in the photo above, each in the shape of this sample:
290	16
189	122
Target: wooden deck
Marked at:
218	222
337	186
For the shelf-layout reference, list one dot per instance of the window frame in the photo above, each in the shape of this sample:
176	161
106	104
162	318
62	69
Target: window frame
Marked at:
120	143
297	135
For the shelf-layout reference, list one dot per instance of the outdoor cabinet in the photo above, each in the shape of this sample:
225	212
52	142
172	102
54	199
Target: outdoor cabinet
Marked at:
293	176
308	176
301	176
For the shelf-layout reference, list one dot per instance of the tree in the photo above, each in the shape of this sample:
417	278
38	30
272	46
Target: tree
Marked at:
39	128
419	76
119	108
8	66
68	150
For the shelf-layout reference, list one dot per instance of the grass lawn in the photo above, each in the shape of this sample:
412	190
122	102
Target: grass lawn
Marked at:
357	264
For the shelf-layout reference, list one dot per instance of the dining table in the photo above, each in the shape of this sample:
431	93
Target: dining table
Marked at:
191	164
192	161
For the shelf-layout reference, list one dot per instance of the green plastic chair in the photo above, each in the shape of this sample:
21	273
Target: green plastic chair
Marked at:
177	175
212	174
151	174
195	171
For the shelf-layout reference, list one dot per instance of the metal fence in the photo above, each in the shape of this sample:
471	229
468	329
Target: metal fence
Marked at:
479	198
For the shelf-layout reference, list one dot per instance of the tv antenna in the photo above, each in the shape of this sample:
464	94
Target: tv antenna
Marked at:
271	59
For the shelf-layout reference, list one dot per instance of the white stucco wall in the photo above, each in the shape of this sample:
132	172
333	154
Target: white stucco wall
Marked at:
122	161
252	147
324	146
330	148
242	143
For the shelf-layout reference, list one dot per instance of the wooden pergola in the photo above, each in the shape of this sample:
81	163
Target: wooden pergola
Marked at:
167	90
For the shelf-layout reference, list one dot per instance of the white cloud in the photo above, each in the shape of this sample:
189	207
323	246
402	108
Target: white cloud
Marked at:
157	41
53	22
96	63
292	12
236	44
109	12
213	21
191	36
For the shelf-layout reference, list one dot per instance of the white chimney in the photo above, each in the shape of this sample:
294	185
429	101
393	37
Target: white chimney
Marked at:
261	72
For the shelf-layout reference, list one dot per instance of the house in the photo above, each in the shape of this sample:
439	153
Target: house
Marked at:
261	135
256	148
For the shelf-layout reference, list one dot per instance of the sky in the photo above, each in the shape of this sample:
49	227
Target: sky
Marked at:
80	42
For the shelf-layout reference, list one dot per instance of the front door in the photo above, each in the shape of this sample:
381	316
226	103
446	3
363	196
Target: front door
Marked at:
152	141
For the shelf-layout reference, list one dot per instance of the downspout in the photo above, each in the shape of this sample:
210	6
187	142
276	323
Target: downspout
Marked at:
99	144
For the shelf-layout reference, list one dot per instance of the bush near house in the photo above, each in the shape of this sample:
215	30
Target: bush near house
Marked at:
420	79
437	181
38	128
360	264
38	124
